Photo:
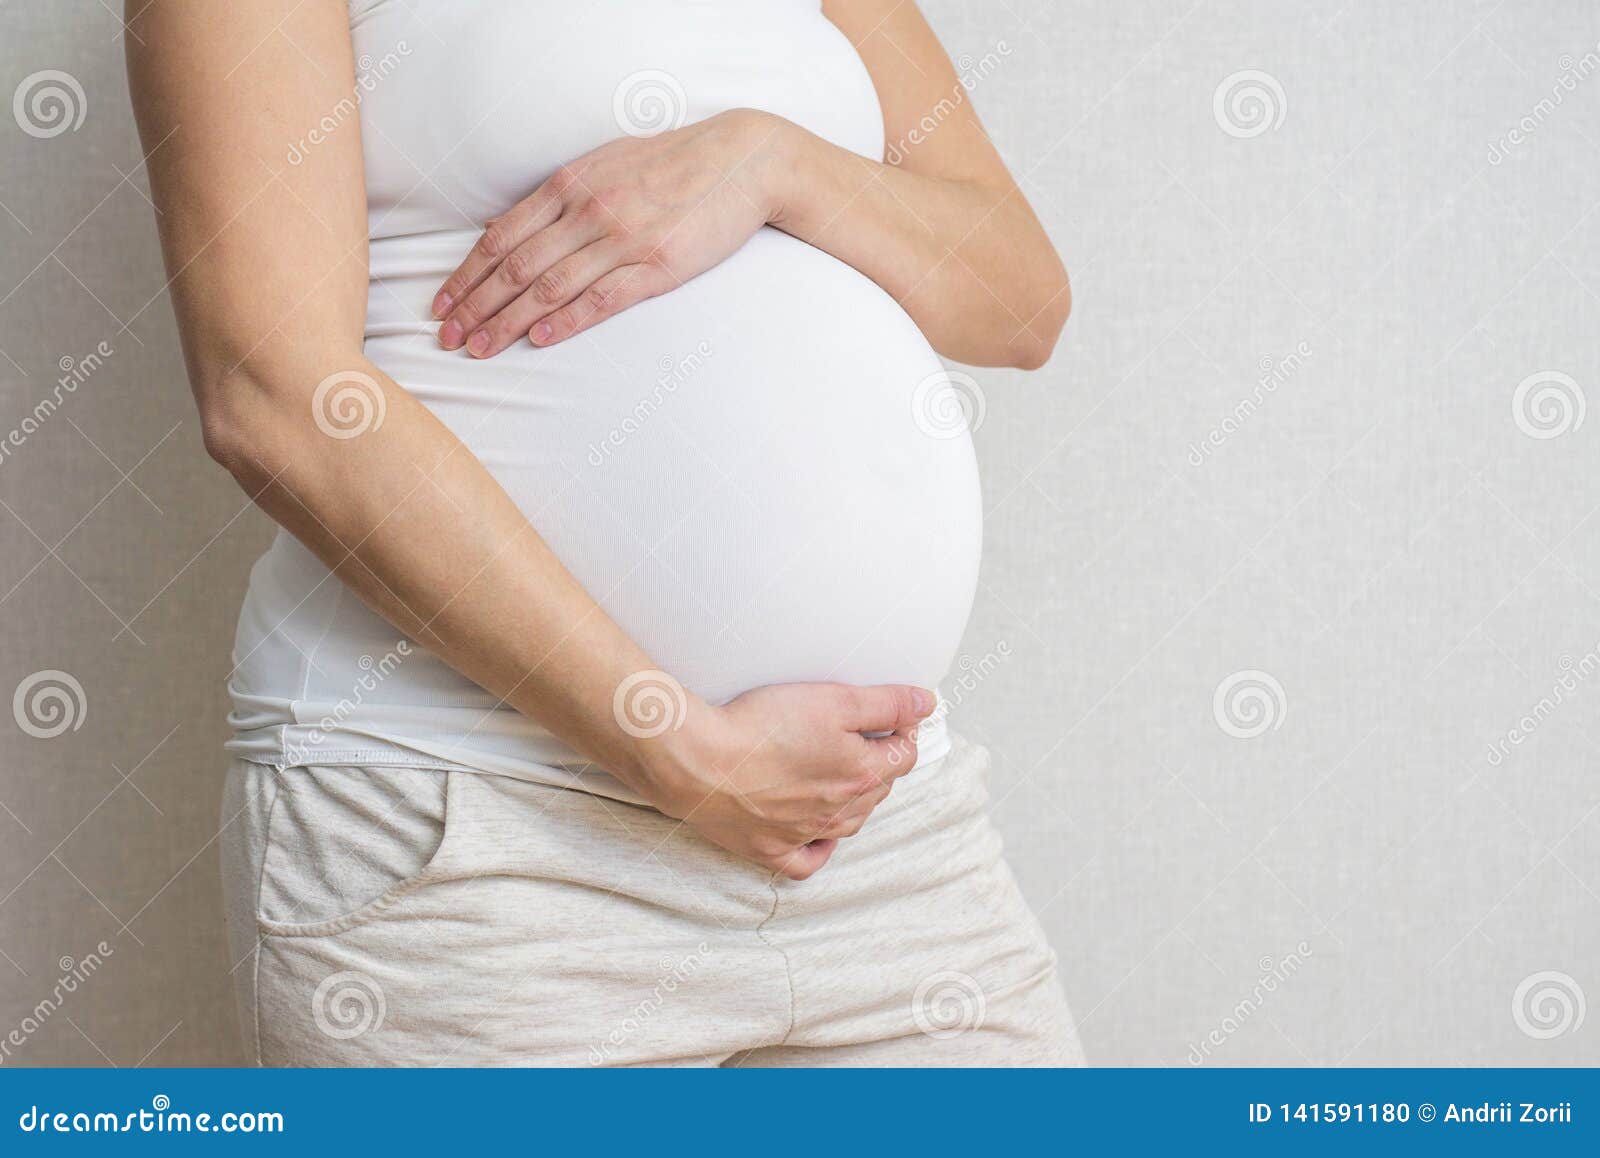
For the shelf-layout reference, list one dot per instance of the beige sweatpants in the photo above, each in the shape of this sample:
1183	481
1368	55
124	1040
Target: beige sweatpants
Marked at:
401	916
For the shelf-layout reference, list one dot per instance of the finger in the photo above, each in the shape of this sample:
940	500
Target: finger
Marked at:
539	210
534	266
846	826
624	286
584	272
893	755
805	860
847	820
888	708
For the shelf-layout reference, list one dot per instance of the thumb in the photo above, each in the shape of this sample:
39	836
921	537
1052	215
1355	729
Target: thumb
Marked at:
890	708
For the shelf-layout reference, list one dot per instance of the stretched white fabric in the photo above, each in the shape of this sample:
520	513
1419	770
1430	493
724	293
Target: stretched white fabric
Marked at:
763	475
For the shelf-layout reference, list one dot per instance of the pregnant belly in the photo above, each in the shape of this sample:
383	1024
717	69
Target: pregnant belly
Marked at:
755	474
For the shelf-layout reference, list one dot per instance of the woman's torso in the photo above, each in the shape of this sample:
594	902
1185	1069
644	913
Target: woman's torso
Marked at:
752	474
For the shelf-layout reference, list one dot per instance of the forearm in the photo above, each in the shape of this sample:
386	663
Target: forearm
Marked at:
269	283
412	522
966	258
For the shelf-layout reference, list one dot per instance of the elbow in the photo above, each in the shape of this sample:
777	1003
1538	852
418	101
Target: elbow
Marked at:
1032	349
1036	341
241	422
258	413
237	446
224	440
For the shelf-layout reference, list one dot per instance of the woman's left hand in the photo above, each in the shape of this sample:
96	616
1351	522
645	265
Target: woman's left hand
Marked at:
637	217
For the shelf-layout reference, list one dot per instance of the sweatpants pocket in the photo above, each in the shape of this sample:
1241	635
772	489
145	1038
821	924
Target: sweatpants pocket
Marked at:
342	843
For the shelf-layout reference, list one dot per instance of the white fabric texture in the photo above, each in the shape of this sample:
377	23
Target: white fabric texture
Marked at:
415	917
760	475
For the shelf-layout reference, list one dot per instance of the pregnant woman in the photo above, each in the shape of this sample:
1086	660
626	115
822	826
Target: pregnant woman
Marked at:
584	354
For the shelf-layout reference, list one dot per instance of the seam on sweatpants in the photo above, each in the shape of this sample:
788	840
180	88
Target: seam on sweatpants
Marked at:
255	906
255	1000
788	967
1038	975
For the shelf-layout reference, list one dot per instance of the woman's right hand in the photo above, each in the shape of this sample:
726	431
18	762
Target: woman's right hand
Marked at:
782	773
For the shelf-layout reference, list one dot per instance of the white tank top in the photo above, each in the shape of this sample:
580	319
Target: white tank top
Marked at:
758	475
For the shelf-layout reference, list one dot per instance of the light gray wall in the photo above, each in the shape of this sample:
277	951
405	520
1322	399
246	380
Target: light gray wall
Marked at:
1382	536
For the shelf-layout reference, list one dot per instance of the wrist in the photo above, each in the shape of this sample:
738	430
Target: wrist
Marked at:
765	158
674	770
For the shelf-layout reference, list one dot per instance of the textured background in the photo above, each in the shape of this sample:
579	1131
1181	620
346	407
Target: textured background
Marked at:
1402	549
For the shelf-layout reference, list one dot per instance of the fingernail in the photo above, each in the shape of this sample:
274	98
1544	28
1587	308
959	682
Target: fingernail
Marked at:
441	304
925	700
541	332
450	334
478	344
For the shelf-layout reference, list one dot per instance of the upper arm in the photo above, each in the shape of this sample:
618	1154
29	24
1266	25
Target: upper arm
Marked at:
267	258
928	119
